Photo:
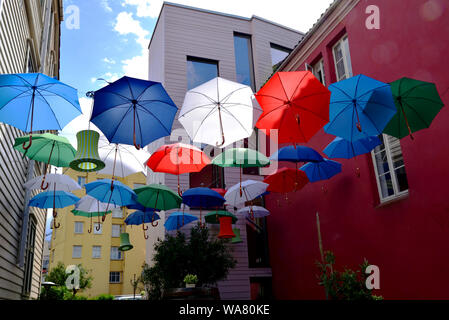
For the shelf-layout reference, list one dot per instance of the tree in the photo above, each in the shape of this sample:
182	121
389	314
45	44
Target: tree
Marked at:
176	257
59	276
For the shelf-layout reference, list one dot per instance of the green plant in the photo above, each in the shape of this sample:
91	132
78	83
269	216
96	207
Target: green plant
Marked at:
190	279
59	277
104	296
346	285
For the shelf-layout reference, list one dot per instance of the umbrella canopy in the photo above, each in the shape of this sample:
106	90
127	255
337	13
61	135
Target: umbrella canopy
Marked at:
178	219
323	170
417	104
120	195
360	106
254	212
158	196
202	198
343	149
122	161
60	182
294	103
250	190
219	112
34	101
286	180
241	157
90	207
221	191
53	199
133	111
297	154
140	217
212	217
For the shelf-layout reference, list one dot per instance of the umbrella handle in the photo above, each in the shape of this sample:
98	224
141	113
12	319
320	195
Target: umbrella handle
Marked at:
145	234
56	226
30	142
137	146
154	224
98	227
221	129
145	228
42	184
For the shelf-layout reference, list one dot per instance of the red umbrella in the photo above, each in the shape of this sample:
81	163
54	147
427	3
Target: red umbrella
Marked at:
221	191
286	180
177	159
294	103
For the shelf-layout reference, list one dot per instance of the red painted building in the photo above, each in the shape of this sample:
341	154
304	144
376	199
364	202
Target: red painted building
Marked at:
396	214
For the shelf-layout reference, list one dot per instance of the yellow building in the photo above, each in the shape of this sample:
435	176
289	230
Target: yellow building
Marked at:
72	244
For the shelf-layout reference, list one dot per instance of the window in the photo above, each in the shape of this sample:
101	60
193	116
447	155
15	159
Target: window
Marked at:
200	71
96	252
98	226
116	230
278	54
117	213
389	168
115	277
76	252
116	254
244	60
79	227
257	242
29	257
318	71
342	59
82	181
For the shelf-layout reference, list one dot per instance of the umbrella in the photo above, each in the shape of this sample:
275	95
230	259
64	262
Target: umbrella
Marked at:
253	212
417	104
286	180
219	112
344	149
178	219
90	207
297	154
48	148
177	159
294	103
212	217
202	198
34	101
55	199
158	196
142	217
250	190
241	158
323	170
360	106
133	111
221	191
60	182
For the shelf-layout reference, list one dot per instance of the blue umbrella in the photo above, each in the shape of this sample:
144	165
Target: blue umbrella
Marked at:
178	219
142	217
133	111
297	154
360	106
323	170
344	149
202	198
34	101
139	207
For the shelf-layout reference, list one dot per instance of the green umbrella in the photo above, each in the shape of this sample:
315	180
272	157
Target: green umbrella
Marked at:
47	148
418	103
90	215
158	196
212	217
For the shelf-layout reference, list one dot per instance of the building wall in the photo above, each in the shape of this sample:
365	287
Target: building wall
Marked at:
407	238
64	238
21	26
186	32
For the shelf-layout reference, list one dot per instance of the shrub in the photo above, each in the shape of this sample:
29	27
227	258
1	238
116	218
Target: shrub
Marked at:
190	279
104	296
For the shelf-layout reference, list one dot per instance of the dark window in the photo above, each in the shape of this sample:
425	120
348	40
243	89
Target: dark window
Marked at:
278	54
261	288
29	258
200	70
257	238
244	60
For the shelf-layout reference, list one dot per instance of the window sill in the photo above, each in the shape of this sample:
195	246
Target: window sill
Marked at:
388	202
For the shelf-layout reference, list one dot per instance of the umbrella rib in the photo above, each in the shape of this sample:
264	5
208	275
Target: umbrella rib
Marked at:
426	99
417	113
283	88
49	106
206	96
340	112
404	94
266	95
119	95
202	122
12	99
237	120
23	79
228	96
121	122
140	126
308	110
160	101
152	114
56	95
148	87
275	109
342	91
198	107
293	94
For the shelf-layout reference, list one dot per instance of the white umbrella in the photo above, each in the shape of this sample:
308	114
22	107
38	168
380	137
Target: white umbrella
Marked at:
250	190
219	112
122	161
60	182
91	205
254	212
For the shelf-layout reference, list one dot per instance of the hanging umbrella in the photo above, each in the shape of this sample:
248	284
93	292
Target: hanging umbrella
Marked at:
60	182
202	198
286	180
133	111
360	106
90	207
142	217
177	159
323	170
343	149
48	148
417	104
219	112
212	217
294	103
241	158
34	102
158	196
253	212
178	219
221	191
250	190
55	199
296	154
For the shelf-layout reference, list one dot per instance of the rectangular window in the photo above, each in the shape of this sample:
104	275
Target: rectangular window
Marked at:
79	227
200	70
114	277
116	254
29	257
318	71
117	213
342	59
76	252
244	66
82	181
389	168
116	230
96	252
278	55
98	228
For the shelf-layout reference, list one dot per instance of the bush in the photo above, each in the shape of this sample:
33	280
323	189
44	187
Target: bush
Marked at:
104	296
190	279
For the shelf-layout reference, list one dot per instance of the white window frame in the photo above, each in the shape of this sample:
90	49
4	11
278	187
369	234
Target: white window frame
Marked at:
95	228
345	56
78	223
120	254
116	210
397	193
80	252
119	230
94	255
319	66
119	276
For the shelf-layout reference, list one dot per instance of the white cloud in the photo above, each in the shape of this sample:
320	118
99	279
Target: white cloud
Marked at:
145	8
109	61
105	5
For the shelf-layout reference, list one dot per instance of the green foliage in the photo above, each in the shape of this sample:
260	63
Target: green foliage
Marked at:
53	293
346	285
104	296
190	279
210	260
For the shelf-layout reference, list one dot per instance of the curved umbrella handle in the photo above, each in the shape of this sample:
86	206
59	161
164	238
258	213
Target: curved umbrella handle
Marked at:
56	226
98	227
144	227
137	146
145	235
30	142
221	129
42	184
153	224
222	141
103	218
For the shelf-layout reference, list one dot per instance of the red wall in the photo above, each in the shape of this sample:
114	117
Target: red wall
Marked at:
407	239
